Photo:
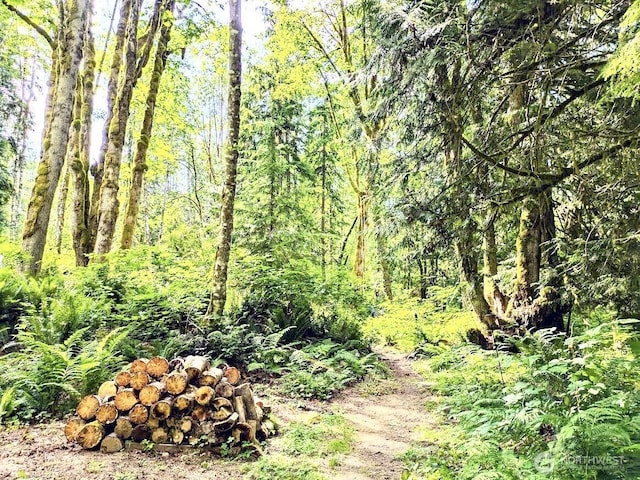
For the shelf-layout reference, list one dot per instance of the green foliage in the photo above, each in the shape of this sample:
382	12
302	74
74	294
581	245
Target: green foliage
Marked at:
319	370
271	467
572	402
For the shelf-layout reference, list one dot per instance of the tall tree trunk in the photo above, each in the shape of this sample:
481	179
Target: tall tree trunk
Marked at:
383	256
97	170
69	57
363	212
219	290
495	298
62	207
139	161
534	306
109	204
469	267
81	232
20	161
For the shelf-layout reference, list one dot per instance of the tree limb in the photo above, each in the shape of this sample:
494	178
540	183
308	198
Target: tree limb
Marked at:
25	18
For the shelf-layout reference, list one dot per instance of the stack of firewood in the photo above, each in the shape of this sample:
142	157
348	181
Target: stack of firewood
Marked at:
182	402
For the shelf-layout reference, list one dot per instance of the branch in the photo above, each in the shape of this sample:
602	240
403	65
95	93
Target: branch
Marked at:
567	172
25	18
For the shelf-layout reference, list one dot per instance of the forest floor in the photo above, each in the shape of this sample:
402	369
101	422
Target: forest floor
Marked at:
382	420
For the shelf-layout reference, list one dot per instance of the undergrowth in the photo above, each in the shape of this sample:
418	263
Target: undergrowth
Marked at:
565	407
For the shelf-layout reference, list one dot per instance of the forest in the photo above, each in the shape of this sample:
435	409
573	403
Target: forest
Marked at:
423	211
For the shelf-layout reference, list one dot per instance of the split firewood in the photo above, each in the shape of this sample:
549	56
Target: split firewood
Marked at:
107	413
244	391
153	423
111	444
227	424
123	428
122	379
72	427
88	407
238	406
221	414
211	377
125	399
157	367
151	393
108	389
90	435
139	380
138	414
176	383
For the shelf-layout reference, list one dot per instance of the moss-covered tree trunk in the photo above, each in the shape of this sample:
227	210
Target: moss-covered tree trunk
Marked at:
97	170
221	266
492	293
69	56
81	233
140	157
535	306
468	257
108	203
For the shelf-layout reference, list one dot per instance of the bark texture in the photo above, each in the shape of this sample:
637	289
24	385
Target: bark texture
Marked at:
140	157
219	290
109	204
69	54
81	232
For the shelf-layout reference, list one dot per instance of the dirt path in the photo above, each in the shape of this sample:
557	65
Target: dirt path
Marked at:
384	426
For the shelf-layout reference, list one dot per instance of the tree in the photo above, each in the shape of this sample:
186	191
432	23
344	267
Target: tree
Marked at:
139	160
66	47
223	251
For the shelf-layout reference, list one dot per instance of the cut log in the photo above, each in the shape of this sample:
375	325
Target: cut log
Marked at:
123	428
157	367
73	426
108	389
139	380
160	435
232	374
211	377
176	383
227	424
151	393
224	389
138	414
176	364
176	435
238	406
122	379
204	395
90	435
125	399
185	424
107	413
219	415
244	391
140	433
184	402
162	409
200	413
194	366
139	365
88	406
111	444
153	423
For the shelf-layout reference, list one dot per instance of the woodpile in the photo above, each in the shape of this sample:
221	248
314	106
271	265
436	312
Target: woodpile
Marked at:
171	405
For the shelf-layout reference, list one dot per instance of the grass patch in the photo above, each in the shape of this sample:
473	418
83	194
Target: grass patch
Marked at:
282	468
323	435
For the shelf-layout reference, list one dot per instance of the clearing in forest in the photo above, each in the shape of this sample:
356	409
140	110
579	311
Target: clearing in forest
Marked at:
360	434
